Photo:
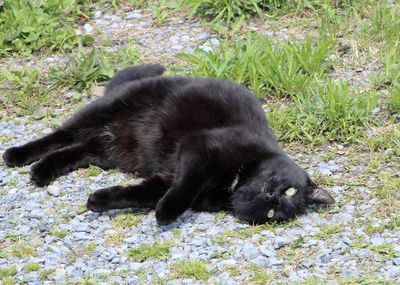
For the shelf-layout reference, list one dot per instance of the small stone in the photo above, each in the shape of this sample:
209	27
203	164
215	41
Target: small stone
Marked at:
307	263
96	14
325	258
262	261
396	261
132	16
59	274
281	241
393	272
177	47
185	38
143	24
267	252
203	227
275	261
88	28
53	190
376	240
215	42
250	251
204	37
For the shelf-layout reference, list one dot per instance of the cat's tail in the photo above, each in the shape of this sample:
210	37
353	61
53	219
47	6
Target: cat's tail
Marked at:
134	73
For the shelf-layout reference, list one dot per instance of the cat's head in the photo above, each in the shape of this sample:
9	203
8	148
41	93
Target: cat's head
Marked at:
276	190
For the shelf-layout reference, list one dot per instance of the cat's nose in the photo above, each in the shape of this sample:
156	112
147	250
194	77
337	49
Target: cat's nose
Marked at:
271	197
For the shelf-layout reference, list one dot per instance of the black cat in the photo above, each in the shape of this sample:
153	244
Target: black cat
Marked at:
200	143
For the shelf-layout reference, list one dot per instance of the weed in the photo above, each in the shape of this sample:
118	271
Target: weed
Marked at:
287	69
82	71
394	96
260	275
329	112
176	232
330	230
21	250
45	273
22	90
8	281
90	248
115	238
191	268
159	10
93	170
60	233
126	221
31	266
6	271
12	182
158	251
391	67
385	249
27	26
383	24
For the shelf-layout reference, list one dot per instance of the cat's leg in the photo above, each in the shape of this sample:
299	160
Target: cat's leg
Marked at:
133	73
65	160
202	158
33	151
192	172
143	195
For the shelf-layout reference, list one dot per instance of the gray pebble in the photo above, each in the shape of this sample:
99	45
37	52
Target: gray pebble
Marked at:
132	16
281	241
250	251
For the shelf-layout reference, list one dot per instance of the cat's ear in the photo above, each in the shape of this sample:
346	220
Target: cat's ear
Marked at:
320	196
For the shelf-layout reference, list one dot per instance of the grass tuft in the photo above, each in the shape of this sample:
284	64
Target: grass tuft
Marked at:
157	250
191	268
27	26
275	70
31	266
126	221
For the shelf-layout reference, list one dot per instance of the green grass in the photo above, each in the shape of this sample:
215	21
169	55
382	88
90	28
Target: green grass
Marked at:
329	112
327	231
126	221
268	69
229	10
191	268
394	97
60	233
31	266
157	251
93	170
21	250
7	271
27	26
87	68
260	275
45	274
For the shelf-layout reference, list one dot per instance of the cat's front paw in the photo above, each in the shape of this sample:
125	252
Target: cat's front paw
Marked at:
42	174
166	212
99	201
15	156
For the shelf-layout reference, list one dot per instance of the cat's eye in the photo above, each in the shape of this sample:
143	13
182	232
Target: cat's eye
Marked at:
290	192
271	213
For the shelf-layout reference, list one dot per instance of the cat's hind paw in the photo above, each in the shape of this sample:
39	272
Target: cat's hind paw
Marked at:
41	174
15	156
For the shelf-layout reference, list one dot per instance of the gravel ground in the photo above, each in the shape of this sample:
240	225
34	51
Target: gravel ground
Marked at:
49	227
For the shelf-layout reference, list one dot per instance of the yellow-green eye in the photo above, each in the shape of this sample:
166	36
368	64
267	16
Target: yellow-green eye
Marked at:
271	213
291	192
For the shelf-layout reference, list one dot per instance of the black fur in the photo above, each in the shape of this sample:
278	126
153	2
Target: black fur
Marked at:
190	138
